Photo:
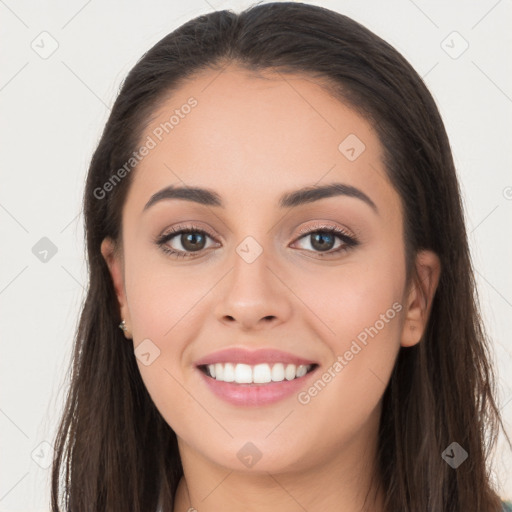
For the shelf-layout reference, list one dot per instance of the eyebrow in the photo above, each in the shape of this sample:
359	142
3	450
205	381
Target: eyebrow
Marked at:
291	199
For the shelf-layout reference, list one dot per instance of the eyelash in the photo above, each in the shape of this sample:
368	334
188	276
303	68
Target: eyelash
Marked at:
161	241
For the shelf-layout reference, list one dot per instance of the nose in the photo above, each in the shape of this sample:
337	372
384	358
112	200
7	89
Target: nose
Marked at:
254	296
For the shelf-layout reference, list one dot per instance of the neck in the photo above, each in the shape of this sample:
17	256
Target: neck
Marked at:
276	492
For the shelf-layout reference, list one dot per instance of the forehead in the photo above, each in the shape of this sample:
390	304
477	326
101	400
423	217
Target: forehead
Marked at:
254	136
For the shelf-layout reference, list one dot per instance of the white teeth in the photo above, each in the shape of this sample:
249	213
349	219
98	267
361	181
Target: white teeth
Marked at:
257	374
301	371
261	374
290	372
243	373
229	373
219	371
278	372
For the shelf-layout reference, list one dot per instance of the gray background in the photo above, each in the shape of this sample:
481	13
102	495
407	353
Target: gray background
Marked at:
54	107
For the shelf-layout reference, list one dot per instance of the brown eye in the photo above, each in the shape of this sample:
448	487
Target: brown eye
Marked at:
192	241
183	242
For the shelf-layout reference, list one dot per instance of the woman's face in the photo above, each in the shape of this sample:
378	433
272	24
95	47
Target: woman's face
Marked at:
256	280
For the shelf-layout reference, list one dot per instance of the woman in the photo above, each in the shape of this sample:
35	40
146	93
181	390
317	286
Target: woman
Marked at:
273	219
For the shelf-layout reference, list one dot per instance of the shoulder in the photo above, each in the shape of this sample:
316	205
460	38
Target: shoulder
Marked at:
507	506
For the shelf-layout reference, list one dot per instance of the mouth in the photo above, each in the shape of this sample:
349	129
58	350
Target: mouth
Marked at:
259	374
258	385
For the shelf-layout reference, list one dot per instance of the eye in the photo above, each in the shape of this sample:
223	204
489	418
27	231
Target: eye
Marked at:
321	238
191	239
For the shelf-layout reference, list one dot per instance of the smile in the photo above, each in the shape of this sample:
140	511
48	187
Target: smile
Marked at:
263	373
245	388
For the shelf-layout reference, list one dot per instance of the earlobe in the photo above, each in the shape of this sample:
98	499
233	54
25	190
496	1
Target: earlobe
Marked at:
115	264
420	297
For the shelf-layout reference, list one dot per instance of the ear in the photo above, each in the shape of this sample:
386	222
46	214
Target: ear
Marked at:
420	297
114	260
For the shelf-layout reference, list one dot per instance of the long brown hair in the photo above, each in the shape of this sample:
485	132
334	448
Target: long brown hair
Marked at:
114	451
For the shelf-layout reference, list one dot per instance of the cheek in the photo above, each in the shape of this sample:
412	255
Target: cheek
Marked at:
165	311
165	306
163	299
344	399
348	301
358	312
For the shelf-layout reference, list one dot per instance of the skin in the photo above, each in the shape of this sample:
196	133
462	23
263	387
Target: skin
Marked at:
250	139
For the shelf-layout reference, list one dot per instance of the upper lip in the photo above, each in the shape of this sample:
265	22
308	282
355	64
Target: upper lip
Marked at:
252	357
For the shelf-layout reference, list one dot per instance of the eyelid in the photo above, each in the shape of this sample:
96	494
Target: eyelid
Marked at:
324	225
318	225
187	227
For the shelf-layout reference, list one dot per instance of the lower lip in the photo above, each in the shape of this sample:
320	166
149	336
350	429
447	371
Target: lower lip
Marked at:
255	394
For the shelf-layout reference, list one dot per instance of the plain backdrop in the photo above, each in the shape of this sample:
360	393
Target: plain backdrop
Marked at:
61	66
